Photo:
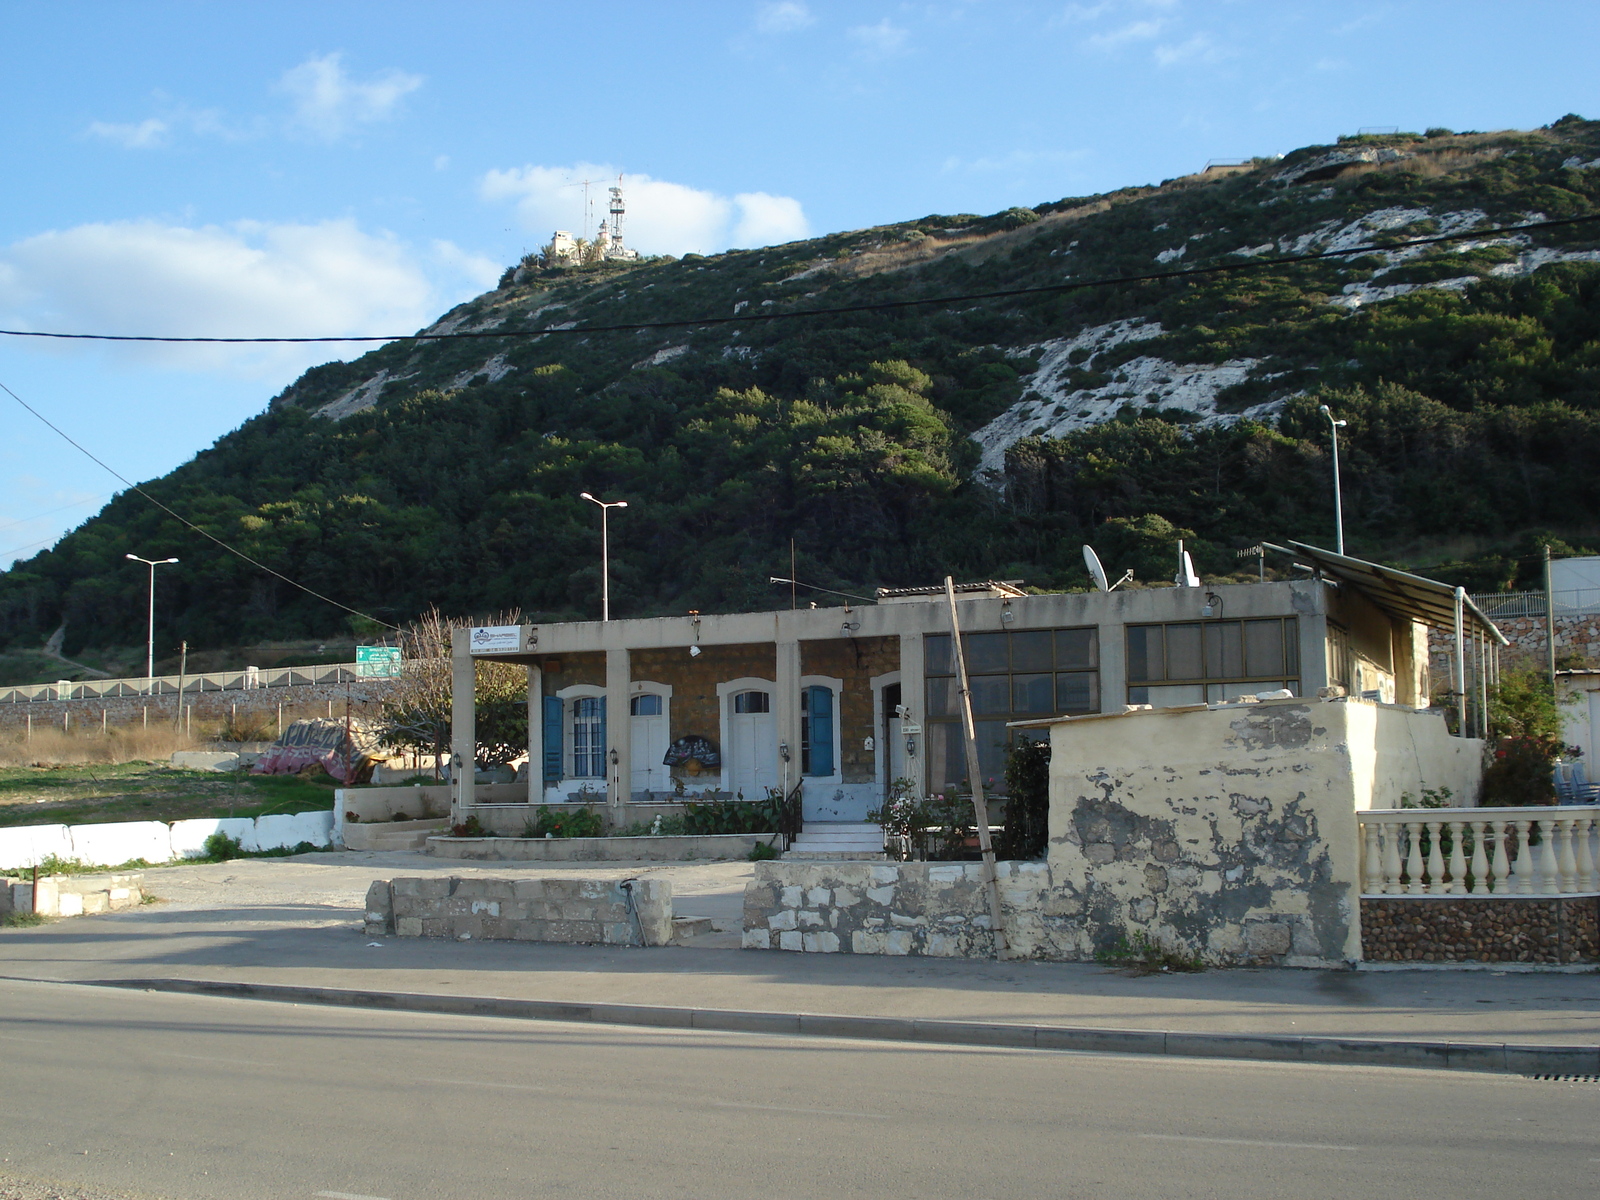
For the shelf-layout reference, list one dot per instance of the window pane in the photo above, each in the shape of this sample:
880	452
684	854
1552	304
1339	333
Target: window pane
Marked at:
1138	695
1078	692
936	656
991	693
986	653
1145	655
1077	647
1032	651
1174	694
647	705
946	763
1224	656
1291	646
942	698
1263	647
752	702
993	737
1032	694
1183	652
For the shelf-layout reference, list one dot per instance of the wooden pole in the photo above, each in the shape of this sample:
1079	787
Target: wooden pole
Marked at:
1550	620
980	806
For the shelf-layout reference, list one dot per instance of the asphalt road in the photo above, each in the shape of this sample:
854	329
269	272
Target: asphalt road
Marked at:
191	1097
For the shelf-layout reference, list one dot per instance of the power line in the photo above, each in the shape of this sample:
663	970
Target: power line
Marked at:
181	518
1254	264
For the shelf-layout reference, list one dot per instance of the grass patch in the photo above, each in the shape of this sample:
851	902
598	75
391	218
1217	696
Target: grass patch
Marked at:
1141	954
22	920
90	793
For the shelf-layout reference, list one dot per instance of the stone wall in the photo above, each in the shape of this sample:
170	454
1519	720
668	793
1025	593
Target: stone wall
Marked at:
1576	637
72	895
672	848
1481	929
612	912
939	910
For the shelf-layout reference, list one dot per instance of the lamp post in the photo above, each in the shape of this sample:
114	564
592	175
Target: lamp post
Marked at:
1338	503
150	635
605	551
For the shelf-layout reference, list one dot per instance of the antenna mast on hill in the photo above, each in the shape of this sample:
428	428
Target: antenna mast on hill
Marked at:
588	209
617	209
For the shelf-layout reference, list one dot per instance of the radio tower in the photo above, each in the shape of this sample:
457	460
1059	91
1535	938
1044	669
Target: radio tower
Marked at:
617	248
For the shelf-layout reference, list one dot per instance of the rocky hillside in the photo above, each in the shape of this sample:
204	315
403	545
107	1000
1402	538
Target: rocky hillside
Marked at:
896	442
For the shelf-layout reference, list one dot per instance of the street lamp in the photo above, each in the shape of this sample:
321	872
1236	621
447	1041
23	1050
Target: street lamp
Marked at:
150	637
1338	504
605	551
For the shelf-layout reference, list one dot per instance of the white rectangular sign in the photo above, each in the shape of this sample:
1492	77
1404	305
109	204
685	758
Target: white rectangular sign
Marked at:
496	639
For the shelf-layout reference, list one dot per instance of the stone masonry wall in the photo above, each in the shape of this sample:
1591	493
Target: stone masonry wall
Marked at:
1481	930
938	910
583	911
1576	636
309	700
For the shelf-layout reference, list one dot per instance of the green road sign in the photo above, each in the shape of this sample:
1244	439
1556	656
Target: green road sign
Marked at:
377	661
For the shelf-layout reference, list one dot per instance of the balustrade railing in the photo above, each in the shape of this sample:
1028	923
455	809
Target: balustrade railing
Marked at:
1480	851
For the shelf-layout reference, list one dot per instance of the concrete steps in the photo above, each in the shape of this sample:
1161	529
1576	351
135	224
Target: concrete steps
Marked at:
396	835
837	841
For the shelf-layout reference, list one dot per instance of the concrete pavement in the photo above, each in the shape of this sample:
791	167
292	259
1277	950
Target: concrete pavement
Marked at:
294	922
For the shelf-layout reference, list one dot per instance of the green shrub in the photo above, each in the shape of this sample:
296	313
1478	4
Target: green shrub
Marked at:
1520	774
762	851
219	847
582	822
732	816
1028	801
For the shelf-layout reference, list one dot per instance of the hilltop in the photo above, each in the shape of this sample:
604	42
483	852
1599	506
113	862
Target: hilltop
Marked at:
980	437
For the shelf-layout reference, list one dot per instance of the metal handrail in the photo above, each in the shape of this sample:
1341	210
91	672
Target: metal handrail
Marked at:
248	679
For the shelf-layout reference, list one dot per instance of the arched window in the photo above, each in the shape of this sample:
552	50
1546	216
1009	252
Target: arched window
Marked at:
589	737
646	705
752	702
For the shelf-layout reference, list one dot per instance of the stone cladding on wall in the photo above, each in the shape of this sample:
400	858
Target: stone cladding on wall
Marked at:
1545	932
610	912
1576	637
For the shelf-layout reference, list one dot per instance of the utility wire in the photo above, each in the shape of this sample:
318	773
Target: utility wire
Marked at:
1255	264
183	519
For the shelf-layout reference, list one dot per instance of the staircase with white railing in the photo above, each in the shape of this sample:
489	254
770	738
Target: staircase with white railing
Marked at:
1490	852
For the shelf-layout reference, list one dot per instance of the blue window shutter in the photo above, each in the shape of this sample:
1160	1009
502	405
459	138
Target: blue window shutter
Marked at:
819	702
552	739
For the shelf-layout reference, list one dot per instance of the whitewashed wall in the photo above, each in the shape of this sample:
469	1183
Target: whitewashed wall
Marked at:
111	844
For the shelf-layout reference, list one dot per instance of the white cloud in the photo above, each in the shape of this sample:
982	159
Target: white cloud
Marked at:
662	217
1134	31
1013	161
765	220
1199	47
248	278
883	40
783	16
478	269
328	103
152	131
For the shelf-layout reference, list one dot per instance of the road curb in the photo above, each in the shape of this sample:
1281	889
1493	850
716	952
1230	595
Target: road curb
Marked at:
1494	1057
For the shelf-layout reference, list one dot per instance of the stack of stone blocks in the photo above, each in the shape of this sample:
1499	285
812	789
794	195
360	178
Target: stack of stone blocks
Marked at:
577	911
70	896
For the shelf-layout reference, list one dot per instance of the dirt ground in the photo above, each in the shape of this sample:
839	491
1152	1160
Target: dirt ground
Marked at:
84	793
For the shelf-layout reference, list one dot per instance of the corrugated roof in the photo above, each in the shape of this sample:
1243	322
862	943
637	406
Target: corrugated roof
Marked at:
1399	593
1002	587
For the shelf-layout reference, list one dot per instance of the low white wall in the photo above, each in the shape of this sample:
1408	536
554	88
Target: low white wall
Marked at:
155	841
1413	751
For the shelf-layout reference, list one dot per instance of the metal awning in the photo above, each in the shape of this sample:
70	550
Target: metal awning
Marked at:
1399	593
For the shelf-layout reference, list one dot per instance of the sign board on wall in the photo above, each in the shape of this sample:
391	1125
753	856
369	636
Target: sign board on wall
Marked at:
496	639
377	662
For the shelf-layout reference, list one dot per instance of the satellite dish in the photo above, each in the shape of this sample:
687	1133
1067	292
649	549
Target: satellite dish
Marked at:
1096	571
1186	576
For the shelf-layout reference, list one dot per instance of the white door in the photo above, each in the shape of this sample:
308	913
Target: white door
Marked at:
751	755
647	717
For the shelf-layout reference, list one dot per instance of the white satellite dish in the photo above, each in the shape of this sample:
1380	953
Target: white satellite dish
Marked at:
1096	571
1186	576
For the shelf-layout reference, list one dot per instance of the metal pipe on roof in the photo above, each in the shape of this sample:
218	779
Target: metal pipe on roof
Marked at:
1460	681
1550	620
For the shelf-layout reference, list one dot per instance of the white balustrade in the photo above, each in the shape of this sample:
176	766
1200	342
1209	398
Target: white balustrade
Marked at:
1480	851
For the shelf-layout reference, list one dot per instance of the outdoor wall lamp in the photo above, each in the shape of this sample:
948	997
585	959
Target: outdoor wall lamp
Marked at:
783	751
615	757
846	629
694	619
1006	615
1213	605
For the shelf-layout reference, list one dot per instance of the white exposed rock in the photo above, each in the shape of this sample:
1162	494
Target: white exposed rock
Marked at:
1577	164
1340	158
1167	256
665	355
359	398
496	369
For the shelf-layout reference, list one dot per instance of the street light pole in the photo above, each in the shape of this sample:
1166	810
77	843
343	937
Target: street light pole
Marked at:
150	634
1338	503
605	551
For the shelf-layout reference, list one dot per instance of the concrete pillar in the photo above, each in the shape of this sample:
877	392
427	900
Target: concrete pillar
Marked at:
619	728
787	682
463	724
1113	652
914	695
535	735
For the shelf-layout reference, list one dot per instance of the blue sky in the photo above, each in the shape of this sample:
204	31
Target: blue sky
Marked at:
358	167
